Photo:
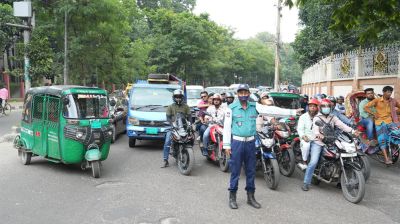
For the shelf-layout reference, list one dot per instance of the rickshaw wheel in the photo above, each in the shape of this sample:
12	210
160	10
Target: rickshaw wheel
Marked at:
95	169
26	157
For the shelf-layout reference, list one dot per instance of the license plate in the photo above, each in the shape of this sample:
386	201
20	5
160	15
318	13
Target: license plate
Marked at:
152	131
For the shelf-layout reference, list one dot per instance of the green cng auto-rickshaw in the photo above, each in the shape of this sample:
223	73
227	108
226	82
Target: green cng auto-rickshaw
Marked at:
67	124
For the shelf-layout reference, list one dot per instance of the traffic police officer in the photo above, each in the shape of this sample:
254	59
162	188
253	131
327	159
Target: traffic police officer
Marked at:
240	127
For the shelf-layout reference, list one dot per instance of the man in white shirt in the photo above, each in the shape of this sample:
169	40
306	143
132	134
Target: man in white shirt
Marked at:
304	129
215	113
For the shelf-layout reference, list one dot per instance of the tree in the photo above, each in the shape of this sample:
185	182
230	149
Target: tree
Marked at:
174	5
371	18
7	33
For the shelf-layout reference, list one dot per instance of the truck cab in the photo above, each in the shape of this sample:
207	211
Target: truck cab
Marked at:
148	102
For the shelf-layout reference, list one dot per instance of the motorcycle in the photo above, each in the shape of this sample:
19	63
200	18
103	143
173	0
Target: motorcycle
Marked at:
283	150
266	160
215	151
338	163
182	144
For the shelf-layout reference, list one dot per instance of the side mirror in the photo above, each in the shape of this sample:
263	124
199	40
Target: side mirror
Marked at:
65	101
319	123
113	102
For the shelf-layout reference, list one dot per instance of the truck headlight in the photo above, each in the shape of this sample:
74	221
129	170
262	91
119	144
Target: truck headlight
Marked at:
133	121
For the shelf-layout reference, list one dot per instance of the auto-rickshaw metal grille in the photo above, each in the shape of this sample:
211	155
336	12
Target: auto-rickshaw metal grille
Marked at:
38	102
53	111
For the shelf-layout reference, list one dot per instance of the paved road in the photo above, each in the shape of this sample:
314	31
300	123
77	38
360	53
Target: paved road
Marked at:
7	122
133	189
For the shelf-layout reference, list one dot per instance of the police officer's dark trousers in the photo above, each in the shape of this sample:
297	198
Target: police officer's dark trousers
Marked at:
242	152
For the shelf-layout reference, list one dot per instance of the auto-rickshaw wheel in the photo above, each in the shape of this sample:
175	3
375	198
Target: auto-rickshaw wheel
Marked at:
95	169
26	157
132	142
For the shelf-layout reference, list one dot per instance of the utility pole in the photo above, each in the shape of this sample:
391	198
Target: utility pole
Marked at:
65	48
277	46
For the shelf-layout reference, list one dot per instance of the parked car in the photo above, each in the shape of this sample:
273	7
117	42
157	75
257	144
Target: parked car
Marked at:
118	114
193	98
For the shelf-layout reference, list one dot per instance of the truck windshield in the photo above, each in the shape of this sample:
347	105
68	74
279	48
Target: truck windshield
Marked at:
142	97
86	106
193	93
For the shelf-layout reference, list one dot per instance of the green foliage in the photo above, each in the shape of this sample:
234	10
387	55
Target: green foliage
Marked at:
370	18
6	32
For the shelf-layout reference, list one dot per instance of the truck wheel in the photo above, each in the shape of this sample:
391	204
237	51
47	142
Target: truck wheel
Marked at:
132	142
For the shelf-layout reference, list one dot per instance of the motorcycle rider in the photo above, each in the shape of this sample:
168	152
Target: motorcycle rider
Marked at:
179	106
304	129
202	105
385	115
325	115
339	114
340	106
229	98
367	120
217	112
240	125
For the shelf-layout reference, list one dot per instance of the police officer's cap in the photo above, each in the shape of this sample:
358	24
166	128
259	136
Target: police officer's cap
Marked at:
243	87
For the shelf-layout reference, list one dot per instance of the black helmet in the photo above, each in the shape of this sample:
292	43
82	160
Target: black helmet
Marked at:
243	87
229	94
332	99
340	98
177	96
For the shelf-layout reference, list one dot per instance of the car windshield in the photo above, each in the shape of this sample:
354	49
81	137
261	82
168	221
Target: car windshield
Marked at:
86	106
142	97
193	93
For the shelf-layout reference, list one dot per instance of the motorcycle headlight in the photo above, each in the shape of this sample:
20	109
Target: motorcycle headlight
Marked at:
349	147
133	121
268	142
79	134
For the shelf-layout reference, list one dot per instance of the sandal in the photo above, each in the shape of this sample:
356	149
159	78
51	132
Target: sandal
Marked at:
388	162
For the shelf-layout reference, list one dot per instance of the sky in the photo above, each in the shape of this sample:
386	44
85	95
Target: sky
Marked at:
249	17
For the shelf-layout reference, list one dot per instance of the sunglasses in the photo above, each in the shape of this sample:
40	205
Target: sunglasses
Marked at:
264	97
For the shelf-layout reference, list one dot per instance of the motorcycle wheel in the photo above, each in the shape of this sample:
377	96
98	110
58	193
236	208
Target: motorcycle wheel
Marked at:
365	166
287	162
271	173
185	160
223	162
354	190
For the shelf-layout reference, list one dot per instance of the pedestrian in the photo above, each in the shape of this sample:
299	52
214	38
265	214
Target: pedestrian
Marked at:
3	95
240	128
385	116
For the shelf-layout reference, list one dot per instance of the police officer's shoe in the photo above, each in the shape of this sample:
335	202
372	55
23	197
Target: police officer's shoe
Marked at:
252	201
166	163
232	200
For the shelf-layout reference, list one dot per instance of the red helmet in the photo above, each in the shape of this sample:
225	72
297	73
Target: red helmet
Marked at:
313	101
325	101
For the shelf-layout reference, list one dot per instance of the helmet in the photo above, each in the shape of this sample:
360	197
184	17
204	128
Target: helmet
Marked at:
325	101
340	98
217	97
264	94
323	96
332	99
243	87
177	96
313	101
229	94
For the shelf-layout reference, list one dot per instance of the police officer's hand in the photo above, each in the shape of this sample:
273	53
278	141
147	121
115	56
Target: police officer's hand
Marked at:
299	111
227	150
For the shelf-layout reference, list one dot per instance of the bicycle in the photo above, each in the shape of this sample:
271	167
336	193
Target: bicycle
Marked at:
6	109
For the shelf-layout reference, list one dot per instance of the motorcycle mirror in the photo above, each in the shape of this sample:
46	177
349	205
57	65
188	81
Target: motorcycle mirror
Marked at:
113	102
319	123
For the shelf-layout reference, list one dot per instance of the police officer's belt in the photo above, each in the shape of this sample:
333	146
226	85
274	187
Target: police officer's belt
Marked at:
243	139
